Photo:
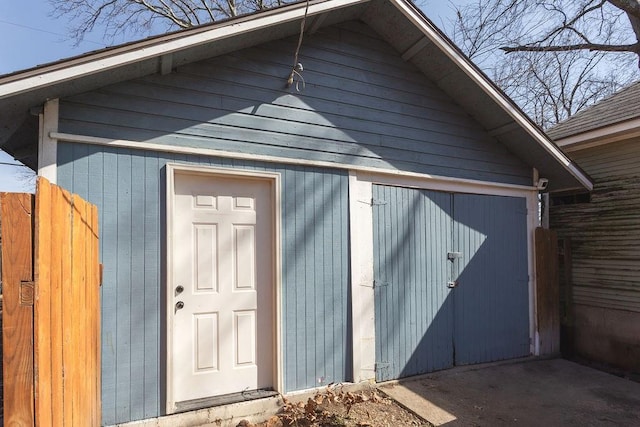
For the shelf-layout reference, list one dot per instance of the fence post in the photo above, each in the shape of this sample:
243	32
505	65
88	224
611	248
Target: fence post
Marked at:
547	290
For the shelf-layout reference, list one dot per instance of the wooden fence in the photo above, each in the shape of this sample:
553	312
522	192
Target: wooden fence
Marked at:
548	290
51	314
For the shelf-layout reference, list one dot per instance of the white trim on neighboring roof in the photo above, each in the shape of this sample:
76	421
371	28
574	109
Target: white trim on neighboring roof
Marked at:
93	140
604	135
136	52
465	65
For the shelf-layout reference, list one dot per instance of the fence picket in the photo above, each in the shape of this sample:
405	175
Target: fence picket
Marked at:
17	322
51	337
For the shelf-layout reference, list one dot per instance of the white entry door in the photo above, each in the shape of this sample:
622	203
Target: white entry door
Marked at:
221	301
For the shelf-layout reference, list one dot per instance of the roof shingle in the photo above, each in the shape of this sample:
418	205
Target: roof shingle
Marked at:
619	107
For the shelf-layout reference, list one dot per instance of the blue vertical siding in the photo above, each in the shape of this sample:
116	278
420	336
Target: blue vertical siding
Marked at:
362	105
128	188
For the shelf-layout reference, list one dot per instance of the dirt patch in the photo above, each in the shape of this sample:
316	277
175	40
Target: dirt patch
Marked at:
336	408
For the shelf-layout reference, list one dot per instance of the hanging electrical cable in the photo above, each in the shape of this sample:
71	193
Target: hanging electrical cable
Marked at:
297	69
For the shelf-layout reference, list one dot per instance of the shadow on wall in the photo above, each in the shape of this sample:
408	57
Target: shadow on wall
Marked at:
362	105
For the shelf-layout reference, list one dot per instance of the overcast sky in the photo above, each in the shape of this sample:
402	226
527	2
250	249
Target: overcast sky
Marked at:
30	36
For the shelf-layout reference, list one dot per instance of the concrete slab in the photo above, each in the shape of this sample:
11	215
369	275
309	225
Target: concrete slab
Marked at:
532	393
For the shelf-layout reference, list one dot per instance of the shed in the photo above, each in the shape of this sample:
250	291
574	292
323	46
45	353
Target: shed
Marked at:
603	308
376	224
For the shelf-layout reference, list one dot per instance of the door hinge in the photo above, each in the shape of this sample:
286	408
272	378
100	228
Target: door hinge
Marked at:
452	256
379	284
378	366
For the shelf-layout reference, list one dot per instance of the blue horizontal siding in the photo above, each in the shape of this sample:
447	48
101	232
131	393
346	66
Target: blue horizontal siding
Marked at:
362	105
128	188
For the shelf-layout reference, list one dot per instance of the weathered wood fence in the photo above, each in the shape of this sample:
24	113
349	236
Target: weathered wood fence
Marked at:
51	313
547	290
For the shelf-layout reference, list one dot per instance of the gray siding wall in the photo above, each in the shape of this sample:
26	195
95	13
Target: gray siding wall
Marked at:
362	105
605	232
605	313
129	189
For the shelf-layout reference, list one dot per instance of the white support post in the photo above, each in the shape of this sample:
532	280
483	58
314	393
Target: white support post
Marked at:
48	146
533	222
362	293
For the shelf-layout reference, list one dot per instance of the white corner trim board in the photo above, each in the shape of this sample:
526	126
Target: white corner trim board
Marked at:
362	291
47	145
532	223
92	140
418	20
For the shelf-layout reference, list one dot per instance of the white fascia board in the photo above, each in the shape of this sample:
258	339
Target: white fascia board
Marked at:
144	50
418	20
601	136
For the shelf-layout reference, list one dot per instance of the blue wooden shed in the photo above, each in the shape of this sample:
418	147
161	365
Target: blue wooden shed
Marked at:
375	222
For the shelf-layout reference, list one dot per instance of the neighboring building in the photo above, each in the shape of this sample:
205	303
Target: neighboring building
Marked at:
604	229
374	225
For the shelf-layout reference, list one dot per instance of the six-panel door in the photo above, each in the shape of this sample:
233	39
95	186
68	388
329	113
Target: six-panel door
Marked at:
222	296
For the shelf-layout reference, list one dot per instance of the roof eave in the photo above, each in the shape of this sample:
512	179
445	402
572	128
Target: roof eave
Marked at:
601	136
101	61
49	80
490	89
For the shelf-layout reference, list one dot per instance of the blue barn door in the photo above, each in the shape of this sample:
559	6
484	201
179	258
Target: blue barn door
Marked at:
491	299
413	312
450	282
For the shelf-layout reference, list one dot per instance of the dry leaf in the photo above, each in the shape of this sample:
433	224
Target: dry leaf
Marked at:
274	422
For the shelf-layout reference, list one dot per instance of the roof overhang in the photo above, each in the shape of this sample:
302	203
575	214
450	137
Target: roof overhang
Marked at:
601	136
399	22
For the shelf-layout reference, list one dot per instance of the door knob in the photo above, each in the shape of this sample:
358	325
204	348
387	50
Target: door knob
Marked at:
179	305
179	289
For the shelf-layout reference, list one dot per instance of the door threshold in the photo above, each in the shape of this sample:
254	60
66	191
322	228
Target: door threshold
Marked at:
226	399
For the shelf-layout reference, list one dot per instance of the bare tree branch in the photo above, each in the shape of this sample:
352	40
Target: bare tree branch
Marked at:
146	17
633	48
582	14
563	55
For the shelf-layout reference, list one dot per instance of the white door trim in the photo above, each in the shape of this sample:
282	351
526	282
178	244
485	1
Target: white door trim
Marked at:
275	179
361	237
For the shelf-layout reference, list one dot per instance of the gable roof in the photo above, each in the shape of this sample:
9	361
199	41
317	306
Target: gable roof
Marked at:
613	118
399	22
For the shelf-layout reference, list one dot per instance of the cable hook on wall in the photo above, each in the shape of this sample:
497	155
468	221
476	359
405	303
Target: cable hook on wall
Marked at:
297	69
